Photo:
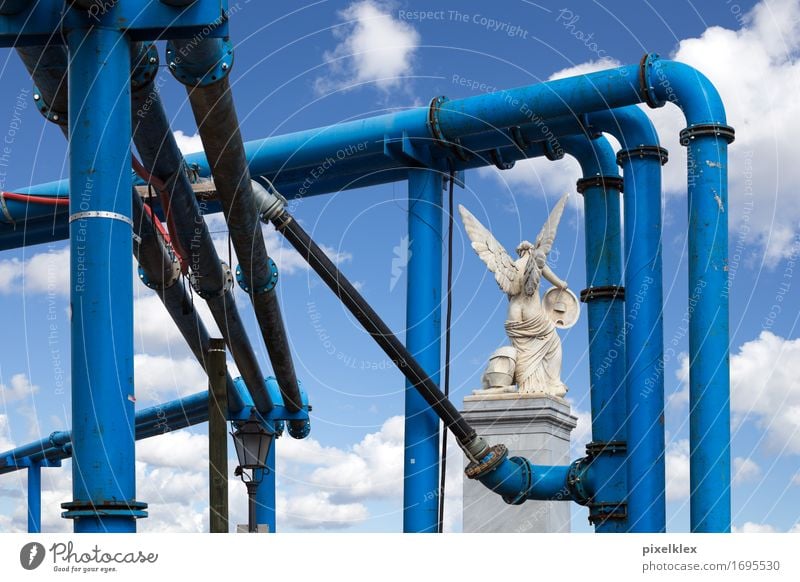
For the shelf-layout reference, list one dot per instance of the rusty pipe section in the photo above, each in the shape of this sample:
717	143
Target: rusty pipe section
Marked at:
203	67
211	279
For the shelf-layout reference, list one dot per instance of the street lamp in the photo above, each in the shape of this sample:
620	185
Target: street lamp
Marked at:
252	442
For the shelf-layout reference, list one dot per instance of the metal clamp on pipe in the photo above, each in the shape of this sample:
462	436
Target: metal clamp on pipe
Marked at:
604	182
603	292
644	152
726	132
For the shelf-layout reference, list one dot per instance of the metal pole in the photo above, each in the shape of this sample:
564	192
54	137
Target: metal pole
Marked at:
101	286
35	498
252	490
217	437
265	496
423	340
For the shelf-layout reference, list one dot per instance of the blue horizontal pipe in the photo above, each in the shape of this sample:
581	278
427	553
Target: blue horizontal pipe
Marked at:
510	479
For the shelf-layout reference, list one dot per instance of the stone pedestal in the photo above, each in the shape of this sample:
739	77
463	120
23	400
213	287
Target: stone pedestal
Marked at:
534	426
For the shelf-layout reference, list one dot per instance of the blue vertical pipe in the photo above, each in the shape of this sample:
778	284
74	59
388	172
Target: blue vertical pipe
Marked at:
600	187
423	340
707	136
34	498
101	286
641	158
265	495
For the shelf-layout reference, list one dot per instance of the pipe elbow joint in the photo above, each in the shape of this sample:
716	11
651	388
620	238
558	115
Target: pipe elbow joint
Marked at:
299	429
200	63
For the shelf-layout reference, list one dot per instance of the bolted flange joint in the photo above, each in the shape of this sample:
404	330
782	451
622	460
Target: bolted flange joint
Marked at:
226	286
58	117
200	73
79	509
272	280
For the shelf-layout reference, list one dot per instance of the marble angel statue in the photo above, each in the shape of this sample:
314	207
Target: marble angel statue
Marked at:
533	361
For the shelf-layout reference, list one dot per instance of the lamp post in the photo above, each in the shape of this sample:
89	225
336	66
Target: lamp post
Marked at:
252	441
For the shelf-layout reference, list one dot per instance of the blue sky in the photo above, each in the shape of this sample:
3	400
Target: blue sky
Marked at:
302	66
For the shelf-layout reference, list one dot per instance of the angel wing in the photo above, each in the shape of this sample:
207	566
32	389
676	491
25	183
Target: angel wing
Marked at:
544	242
490	252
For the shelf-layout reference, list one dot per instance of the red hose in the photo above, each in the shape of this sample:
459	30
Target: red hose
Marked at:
45	200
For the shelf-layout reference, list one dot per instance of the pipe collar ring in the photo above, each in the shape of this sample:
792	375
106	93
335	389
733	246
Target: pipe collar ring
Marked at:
576	481
643	151
725	132
603	292
174	275
435	129
227	284
78	509
494	457
604	182
201	74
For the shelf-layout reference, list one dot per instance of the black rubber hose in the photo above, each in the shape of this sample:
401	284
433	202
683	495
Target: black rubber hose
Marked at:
376	327
218	124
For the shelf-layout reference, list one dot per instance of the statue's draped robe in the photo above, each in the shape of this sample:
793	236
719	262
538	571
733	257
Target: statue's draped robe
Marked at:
538	348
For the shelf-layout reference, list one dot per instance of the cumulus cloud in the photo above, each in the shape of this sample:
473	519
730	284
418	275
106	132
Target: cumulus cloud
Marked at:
373	47
745	470
677	469
751	527
161	378
764	389
18	388
5	434
188	144
317	511
178	450
45	272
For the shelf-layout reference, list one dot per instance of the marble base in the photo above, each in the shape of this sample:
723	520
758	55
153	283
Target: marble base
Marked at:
534	426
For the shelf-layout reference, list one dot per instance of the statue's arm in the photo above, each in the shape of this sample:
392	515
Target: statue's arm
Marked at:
548	274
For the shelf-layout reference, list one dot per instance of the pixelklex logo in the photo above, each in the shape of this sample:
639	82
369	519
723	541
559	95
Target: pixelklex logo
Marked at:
31	555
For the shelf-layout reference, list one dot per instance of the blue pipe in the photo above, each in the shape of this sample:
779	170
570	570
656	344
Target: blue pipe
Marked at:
265	494
641	158
101	287
600	186
423	340
707	137
34	498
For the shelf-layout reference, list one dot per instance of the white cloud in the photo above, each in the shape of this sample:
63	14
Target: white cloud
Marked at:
317	511
161	378
582	433
188	144
745	470
766	389
751	527
46	272
373	47
5	434
677	469
18	388
179	450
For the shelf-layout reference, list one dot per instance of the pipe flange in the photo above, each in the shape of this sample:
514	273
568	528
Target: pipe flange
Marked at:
603	292
145	66
271	201
596	448
497	159
604	182
643	152
196	75
58	117
436	132
522	495
174	275
726	132
602	512
227	283
495	456
646	85
272	280
78	509
576	481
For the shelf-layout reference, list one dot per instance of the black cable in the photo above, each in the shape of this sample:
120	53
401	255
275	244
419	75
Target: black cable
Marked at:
448	320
